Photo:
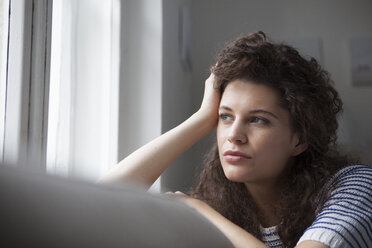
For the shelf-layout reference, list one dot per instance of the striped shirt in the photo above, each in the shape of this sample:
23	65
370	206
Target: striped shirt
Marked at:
346	217
271	237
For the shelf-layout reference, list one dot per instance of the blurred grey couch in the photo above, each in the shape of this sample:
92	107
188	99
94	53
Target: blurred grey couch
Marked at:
38	210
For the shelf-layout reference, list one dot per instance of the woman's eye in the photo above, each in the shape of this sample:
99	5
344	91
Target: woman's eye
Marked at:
225	117
259	120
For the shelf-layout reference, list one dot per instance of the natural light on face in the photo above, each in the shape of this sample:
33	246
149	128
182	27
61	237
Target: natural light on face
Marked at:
254	136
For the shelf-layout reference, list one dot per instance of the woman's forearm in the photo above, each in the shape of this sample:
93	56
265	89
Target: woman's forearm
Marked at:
147	163
237	235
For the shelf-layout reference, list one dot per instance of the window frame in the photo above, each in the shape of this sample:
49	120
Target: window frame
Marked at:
27	83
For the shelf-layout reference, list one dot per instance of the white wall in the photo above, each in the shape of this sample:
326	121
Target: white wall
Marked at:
140	77
333	22
154	89
176	95
140	74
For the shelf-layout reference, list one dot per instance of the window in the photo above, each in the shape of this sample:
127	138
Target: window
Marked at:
84	81
58	104
62	110
4	22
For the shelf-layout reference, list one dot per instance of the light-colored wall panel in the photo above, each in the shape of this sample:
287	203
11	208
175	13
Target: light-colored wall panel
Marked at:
332	22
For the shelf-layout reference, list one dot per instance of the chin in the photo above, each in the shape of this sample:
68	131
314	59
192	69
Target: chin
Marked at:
237	175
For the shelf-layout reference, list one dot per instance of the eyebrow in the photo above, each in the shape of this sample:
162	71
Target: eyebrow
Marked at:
255	111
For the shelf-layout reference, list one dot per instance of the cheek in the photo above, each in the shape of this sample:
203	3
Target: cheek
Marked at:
273	146
219	134
219	140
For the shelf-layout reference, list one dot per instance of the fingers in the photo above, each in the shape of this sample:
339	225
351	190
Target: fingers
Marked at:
180	193
189	200
211	83
213	67
177	193
211	78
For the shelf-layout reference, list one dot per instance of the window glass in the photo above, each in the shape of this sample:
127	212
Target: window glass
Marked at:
83	100
4	23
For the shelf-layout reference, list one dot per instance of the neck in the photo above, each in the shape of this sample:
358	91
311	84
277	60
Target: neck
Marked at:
265	197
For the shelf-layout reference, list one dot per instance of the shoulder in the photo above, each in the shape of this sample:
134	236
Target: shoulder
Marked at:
352	175
346	216
350	178
351	189
357	170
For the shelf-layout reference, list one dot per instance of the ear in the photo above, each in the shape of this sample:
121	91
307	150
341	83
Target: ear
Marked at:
299	145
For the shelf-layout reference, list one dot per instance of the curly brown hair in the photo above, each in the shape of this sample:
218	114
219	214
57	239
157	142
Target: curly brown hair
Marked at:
306	91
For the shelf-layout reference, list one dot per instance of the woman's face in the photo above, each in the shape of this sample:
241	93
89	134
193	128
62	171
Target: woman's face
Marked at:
254	135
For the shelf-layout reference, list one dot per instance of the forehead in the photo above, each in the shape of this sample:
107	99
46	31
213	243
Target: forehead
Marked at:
249	95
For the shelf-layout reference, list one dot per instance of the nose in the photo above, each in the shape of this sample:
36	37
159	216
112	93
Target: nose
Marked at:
237	134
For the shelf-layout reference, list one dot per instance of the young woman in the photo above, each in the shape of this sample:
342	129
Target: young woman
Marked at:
274	177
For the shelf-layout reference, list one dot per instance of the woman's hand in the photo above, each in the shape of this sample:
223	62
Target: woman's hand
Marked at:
238	236
193	202
196	204
211	101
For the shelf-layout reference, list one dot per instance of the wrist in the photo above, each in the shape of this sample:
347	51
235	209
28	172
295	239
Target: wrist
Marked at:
206	121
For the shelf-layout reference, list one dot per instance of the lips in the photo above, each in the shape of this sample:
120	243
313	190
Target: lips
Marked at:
235	156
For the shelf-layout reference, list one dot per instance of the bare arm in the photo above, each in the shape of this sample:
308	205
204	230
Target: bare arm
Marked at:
147	163
237	235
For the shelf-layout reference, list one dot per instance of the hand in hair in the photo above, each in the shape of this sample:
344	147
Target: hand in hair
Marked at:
211	100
